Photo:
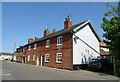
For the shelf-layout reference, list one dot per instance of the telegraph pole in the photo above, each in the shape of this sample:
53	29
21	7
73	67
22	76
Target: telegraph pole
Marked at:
114	58
14	50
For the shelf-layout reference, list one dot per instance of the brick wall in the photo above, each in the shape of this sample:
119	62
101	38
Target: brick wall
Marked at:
41	50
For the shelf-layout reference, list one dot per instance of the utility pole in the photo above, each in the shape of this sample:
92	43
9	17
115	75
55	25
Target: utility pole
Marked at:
14	51
114	58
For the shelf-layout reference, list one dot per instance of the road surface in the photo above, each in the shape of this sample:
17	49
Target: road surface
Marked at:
18	71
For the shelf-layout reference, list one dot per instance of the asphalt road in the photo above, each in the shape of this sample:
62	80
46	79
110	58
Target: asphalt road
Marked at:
17	71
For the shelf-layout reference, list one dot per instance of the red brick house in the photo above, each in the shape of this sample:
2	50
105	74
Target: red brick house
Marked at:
72	46
105	52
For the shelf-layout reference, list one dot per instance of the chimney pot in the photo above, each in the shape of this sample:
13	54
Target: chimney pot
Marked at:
36	38
67	23
46	32
30	40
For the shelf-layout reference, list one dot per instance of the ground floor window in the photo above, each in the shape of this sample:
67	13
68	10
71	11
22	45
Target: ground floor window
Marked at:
47	57
59	57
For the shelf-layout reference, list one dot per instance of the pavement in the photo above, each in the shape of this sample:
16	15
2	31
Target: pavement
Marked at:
98	75
19	71
90	74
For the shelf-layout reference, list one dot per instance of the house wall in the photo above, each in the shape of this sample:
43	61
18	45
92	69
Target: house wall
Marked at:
65	49
82	54
3	57
41	50
19	56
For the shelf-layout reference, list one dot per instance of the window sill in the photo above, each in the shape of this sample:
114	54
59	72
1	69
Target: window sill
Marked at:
58	62
59	44
46	61
47	46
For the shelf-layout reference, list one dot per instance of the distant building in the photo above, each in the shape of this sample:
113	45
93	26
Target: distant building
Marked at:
104	51
73	46
5	56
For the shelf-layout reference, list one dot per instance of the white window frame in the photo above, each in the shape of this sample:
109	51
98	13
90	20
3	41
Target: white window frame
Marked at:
29	47
34	57
58	41
35	45
47	43
28	59
58	58
47	56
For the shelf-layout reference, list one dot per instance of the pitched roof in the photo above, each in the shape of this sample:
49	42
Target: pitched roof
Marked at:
64	31
103	44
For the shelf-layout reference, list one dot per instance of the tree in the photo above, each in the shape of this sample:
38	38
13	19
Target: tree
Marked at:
111	27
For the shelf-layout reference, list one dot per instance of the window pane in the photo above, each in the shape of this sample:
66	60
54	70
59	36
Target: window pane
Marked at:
47	43
47	57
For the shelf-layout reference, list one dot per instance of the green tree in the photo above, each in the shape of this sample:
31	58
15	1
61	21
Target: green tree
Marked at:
111	27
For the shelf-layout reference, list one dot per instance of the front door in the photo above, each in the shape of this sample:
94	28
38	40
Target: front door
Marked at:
38	60
42	60
23	59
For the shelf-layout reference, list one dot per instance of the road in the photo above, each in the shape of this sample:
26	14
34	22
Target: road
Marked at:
17	71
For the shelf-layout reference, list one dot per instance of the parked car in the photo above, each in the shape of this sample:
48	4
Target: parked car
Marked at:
101	65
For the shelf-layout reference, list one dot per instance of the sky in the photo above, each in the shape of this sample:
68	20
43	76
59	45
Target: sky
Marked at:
23	20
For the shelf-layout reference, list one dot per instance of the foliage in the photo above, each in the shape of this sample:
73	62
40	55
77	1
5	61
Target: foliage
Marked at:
32	63
111	27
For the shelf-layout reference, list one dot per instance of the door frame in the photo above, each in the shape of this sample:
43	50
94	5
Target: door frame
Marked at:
42	60
38	60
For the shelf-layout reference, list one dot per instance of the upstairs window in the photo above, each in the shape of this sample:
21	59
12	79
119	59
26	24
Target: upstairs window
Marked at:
46	57
18	50
47	43
59	40
59	58
35	45
23	49
29	47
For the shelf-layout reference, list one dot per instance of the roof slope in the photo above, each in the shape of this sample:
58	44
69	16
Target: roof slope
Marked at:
64	31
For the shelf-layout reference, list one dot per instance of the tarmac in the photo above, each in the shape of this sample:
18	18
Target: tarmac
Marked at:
98	75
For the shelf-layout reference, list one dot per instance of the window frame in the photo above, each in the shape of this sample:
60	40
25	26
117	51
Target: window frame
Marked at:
58	58
58	41
35	45
47	57
29	47
48	43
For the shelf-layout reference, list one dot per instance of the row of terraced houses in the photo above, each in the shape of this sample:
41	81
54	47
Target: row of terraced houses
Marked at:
73	46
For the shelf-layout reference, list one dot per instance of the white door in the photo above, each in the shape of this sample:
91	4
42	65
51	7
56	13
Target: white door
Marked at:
38	60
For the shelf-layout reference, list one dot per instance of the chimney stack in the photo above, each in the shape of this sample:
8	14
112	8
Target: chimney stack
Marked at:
67	22
30	40
46	32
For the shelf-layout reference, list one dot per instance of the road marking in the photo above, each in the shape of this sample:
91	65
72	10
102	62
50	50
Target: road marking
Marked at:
5	72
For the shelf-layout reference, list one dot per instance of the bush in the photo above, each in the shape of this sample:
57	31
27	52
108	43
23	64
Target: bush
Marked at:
32	63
